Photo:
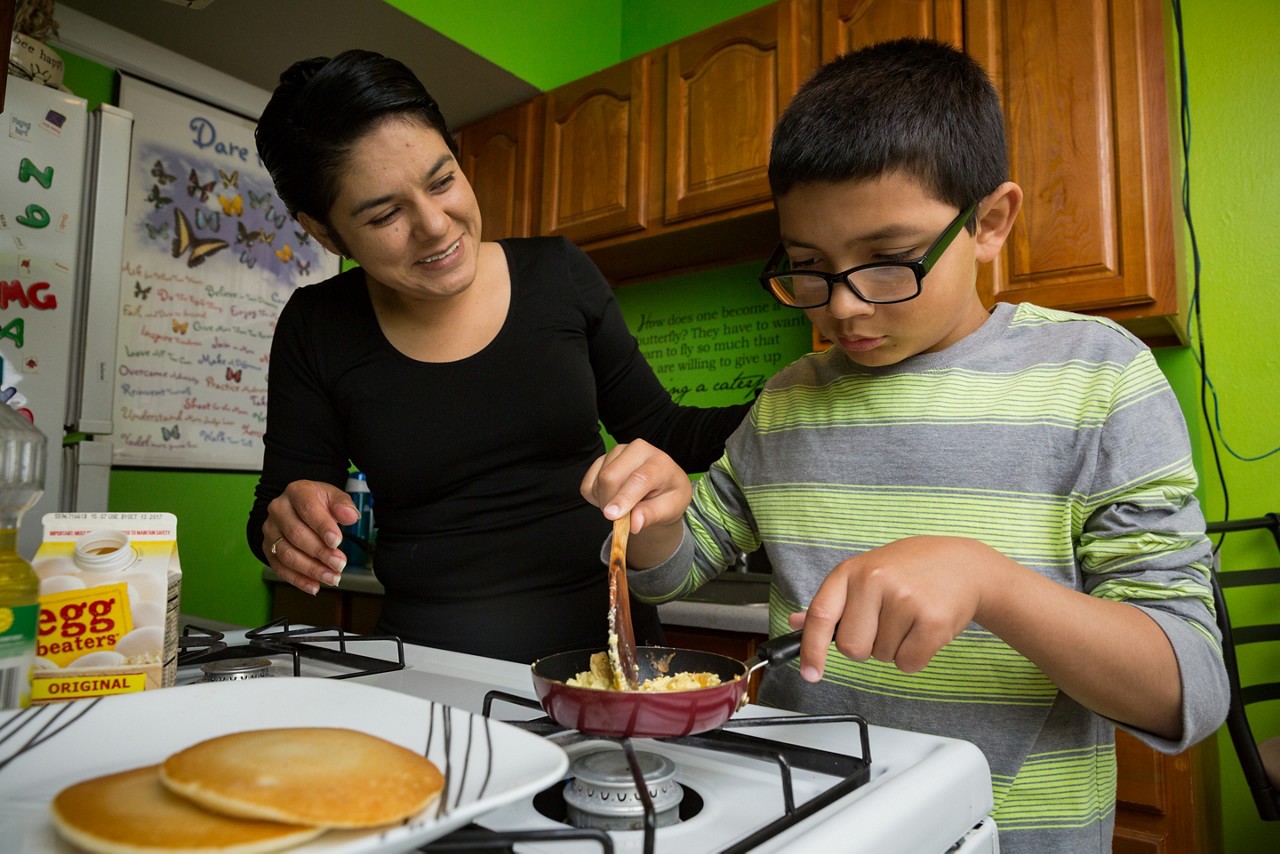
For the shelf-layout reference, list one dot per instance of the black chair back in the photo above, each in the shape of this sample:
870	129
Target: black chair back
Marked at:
1265	795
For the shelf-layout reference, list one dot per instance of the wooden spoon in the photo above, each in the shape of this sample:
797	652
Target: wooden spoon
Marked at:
622	637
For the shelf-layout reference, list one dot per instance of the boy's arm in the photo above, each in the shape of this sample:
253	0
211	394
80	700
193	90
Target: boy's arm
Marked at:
1134	638
904	601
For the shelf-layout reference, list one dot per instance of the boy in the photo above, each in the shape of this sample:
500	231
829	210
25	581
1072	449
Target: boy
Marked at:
983	521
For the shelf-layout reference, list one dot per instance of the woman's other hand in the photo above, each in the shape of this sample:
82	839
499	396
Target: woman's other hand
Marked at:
301	535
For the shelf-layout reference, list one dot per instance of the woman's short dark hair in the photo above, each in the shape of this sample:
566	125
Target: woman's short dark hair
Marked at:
912	105
321	108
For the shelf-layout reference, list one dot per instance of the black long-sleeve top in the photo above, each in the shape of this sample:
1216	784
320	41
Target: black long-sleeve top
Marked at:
484	543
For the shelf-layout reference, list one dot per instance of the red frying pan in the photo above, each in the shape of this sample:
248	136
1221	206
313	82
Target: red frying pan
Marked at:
658	714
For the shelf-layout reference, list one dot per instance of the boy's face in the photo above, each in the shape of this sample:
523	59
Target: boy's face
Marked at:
832	227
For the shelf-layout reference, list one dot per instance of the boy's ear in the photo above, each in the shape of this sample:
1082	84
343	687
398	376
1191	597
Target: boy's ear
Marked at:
317	230
996	214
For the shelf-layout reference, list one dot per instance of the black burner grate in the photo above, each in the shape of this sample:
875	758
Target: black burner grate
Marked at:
200	645
849	772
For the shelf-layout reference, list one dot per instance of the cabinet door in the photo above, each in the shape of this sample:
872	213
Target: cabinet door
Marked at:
851	24
501	157
1083	88
598	137
726	87
1166	804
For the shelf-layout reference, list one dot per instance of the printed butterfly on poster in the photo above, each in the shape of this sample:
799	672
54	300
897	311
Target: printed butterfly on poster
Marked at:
268	237
247	259
304	267
180	327
158	232
208	220
161	176
197	249
256	201
233	206
234	375
168	434
156	198
139	291
247	237
232	180
277	219
285	253
303	237
195	188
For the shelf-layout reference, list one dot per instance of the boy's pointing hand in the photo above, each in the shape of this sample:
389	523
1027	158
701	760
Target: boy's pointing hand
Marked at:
899	603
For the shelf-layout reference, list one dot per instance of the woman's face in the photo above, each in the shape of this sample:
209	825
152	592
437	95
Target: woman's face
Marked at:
405	212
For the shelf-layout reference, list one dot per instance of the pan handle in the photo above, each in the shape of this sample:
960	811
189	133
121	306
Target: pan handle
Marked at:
777	650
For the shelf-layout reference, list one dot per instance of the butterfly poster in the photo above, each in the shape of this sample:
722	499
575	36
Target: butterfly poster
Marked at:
210	258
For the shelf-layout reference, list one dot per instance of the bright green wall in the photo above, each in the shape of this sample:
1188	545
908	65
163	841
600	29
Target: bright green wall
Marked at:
221	579
647	24
1234	88
543	43
532	41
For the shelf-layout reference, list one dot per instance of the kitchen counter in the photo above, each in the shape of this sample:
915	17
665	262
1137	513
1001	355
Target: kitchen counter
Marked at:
733	602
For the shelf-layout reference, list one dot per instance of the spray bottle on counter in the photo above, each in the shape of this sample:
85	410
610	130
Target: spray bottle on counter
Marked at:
22	462
357	539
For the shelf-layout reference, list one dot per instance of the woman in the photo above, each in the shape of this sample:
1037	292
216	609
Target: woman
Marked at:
466	379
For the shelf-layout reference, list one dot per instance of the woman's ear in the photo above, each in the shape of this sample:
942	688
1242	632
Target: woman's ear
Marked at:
996	214
317	230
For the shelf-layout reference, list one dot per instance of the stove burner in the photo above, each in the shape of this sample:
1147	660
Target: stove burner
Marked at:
236	669
550	803
602	792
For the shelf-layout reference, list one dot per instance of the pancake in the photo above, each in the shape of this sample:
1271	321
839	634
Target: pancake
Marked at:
133	812
326	777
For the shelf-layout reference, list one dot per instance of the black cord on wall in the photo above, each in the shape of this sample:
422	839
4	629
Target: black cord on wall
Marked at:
1185	121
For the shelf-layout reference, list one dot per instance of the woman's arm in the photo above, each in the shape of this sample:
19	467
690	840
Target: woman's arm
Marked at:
631	400
299	496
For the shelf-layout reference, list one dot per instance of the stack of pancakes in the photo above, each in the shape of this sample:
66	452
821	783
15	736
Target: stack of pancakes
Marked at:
249	792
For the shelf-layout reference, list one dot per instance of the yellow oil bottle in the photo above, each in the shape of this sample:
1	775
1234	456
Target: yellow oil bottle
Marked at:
22	464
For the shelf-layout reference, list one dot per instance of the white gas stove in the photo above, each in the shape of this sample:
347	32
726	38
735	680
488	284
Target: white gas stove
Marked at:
921	793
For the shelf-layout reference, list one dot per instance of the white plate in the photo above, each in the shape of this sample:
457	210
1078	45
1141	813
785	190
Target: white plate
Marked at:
486	763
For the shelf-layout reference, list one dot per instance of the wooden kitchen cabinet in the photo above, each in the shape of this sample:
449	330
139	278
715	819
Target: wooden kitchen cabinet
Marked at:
726	88
852	24
659	164
1084	91
502	158
735	645
1166	804
599	133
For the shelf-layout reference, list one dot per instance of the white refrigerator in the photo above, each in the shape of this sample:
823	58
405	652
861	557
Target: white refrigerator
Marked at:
63	178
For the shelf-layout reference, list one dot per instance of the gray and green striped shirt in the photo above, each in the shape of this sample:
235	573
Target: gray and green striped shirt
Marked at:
1051	437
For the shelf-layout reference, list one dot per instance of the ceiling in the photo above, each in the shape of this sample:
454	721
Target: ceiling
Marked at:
254	40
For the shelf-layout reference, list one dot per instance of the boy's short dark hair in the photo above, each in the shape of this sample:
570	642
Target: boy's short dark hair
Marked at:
321	109
912	105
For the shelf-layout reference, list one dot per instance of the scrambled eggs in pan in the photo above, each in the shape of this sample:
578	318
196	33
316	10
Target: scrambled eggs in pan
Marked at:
600	677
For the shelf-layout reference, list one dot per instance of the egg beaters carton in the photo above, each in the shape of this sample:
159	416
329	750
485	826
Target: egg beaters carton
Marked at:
109	590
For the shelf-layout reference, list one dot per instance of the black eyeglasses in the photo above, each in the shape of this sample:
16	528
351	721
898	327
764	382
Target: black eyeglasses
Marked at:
880	282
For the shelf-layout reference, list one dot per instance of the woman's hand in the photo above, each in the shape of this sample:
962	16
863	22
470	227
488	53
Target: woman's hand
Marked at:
301	535
640	480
